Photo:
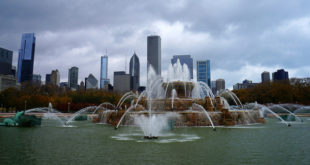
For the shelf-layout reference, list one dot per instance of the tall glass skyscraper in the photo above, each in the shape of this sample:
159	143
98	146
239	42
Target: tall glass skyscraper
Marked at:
134	71
104	71
187	59
73	77
26	57
154	53
204	72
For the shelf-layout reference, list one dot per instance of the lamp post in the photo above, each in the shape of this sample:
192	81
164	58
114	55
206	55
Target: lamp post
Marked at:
25	105
68	107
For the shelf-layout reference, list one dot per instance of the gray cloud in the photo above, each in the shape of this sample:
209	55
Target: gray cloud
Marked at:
241	38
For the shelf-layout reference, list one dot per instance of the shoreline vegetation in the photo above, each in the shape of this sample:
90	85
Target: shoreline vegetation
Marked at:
275	92
65	100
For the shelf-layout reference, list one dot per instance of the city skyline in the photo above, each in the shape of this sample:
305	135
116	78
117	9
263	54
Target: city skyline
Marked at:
238	47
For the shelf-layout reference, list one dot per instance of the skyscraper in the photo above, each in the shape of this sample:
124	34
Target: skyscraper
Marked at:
213	87
47	79
104	72
154	53
26	57
73	77
91	82
134	71
220	84
280	74
265	77
55	77
184	59
6	57
203	72
121	82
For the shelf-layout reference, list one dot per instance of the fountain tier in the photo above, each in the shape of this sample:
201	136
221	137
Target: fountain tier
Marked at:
191	111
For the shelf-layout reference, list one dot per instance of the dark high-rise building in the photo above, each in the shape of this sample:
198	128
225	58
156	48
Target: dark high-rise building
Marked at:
184	59
134	71
154	53
6	57
104	81
280	74
265	77
26	57
47	79
73	77
203	72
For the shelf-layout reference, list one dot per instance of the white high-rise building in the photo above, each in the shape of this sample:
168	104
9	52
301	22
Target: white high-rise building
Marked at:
104	72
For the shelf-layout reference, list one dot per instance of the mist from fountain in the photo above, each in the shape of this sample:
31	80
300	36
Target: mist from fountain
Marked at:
225	103
174	96
232	96
103	118
39	109
201	90
303	109
126	112
178	72
285	110
79	113
152	126
52	114
128	95
201	108
106	104
140	97
264	108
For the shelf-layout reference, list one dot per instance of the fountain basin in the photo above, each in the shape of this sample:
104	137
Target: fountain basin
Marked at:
189	118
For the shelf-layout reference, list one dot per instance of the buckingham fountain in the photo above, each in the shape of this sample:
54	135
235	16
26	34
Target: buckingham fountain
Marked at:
177	102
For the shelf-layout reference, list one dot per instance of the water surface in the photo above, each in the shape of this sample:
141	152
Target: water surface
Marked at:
88	143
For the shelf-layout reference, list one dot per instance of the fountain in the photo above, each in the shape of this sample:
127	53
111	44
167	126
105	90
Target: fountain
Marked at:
178	100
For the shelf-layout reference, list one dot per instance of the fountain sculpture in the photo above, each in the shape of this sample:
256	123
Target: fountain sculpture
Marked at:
21	120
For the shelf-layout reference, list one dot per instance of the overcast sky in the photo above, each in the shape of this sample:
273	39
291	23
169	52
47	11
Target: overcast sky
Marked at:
242	38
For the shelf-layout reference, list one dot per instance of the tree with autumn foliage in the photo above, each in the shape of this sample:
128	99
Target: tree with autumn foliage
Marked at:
33	96
275	92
